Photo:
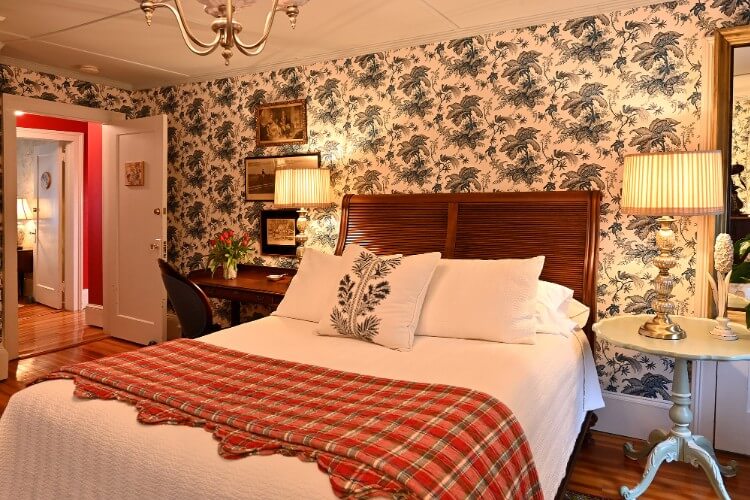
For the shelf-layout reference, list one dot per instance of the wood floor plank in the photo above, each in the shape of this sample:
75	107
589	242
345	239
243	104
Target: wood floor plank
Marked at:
23	371
42	329
602	468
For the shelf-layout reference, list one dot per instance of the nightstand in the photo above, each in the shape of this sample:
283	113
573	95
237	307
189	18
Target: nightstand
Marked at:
679	443
251	286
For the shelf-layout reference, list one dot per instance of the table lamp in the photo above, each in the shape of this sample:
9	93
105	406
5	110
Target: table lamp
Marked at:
302	188
678	183
23	214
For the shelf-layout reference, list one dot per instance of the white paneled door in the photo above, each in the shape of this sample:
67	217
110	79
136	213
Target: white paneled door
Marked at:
48	254
134	171
733	407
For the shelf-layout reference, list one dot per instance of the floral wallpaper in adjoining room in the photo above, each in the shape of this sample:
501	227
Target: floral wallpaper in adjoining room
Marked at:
548	107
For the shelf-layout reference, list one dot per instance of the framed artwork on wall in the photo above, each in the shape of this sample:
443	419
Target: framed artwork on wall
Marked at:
281	123
135	173
278	231
260	172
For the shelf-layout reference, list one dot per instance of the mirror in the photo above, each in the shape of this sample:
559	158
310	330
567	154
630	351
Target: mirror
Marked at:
732	135
737	208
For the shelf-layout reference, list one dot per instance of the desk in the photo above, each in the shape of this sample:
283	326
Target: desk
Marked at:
25	265
679	443
251	285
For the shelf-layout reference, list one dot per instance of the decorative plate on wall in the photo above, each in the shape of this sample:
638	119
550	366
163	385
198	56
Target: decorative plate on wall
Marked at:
46	180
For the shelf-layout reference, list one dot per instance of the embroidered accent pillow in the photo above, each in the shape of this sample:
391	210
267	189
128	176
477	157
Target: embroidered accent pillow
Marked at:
483	299
379	299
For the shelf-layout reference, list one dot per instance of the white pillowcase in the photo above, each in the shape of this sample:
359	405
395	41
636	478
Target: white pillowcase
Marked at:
312	288
482	299
378	299
557	312
578	312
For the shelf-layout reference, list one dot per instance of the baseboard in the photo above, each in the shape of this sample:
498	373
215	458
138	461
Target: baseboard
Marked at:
84	298
632	416
94	315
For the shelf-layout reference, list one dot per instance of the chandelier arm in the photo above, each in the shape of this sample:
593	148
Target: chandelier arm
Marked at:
187	35
254	49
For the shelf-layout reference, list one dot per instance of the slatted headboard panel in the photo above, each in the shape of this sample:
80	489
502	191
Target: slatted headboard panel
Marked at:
561	225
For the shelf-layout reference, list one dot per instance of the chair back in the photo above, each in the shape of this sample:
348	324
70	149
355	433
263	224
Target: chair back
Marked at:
188	300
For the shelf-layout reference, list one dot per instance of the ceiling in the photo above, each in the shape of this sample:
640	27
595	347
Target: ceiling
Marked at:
55	36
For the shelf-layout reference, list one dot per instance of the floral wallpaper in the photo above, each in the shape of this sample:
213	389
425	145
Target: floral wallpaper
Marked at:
550	107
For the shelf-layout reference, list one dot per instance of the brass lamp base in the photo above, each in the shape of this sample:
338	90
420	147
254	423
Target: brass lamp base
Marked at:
663	328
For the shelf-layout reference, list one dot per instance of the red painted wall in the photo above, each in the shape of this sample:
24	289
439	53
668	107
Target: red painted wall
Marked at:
92	193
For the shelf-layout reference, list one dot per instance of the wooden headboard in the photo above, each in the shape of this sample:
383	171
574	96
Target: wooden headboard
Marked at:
561	225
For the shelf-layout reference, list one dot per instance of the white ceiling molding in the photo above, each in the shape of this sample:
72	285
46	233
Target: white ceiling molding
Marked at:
155	79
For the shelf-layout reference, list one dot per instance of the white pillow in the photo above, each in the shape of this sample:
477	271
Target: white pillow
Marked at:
482	299
578	312
378	299
557	312
312	288
551	309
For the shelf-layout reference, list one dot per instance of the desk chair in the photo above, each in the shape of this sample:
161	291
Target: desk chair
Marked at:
189	302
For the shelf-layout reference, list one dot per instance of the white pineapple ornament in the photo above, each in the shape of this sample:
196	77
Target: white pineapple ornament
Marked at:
723	257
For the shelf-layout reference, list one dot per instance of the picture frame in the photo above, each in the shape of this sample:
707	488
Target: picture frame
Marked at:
278	231
281	123
135	173
260	172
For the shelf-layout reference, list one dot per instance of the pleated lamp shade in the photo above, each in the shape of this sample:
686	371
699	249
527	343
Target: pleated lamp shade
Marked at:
23	212
302	187
679	183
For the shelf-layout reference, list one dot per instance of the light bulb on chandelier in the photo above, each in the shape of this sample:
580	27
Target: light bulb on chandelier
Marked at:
227	29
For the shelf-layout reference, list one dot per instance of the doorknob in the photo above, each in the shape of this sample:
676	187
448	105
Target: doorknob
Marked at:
157	211
154	246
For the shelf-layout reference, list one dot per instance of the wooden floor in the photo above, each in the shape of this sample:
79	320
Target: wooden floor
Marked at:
42	329
600	469
25	370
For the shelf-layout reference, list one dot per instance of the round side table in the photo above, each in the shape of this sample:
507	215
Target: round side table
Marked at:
679	443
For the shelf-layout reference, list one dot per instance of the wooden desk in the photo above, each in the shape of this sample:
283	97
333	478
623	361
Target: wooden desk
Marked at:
25	265
251	285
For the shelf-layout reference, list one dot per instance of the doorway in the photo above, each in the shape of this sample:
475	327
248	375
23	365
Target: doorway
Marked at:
53	166
133	221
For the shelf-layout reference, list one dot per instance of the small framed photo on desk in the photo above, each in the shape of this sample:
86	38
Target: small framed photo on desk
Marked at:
278	231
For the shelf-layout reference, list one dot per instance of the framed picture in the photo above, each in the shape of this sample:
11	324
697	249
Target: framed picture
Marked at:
260	173
135	173
278	229
281	123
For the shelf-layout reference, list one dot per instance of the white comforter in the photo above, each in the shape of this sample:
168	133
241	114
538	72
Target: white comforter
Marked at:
55	446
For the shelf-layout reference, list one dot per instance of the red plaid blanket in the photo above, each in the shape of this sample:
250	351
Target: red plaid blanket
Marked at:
372	436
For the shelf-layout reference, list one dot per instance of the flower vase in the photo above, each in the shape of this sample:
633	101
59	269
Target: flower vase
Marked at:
230	271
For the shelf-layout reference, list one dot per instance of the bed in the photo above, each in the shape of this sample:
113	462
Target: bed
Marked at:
52	444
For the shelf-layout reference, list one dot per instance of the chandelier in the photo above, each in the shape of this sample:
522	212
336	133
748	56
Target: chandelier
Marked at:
226	28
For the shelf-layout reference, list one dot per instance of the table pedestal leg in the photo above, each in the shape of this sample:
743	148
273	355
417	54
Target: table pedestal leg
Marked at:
679	444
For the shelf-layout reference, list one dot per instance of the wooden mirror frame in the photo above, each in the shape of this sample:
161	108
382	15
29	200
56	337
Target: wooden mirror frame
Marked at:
725	41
